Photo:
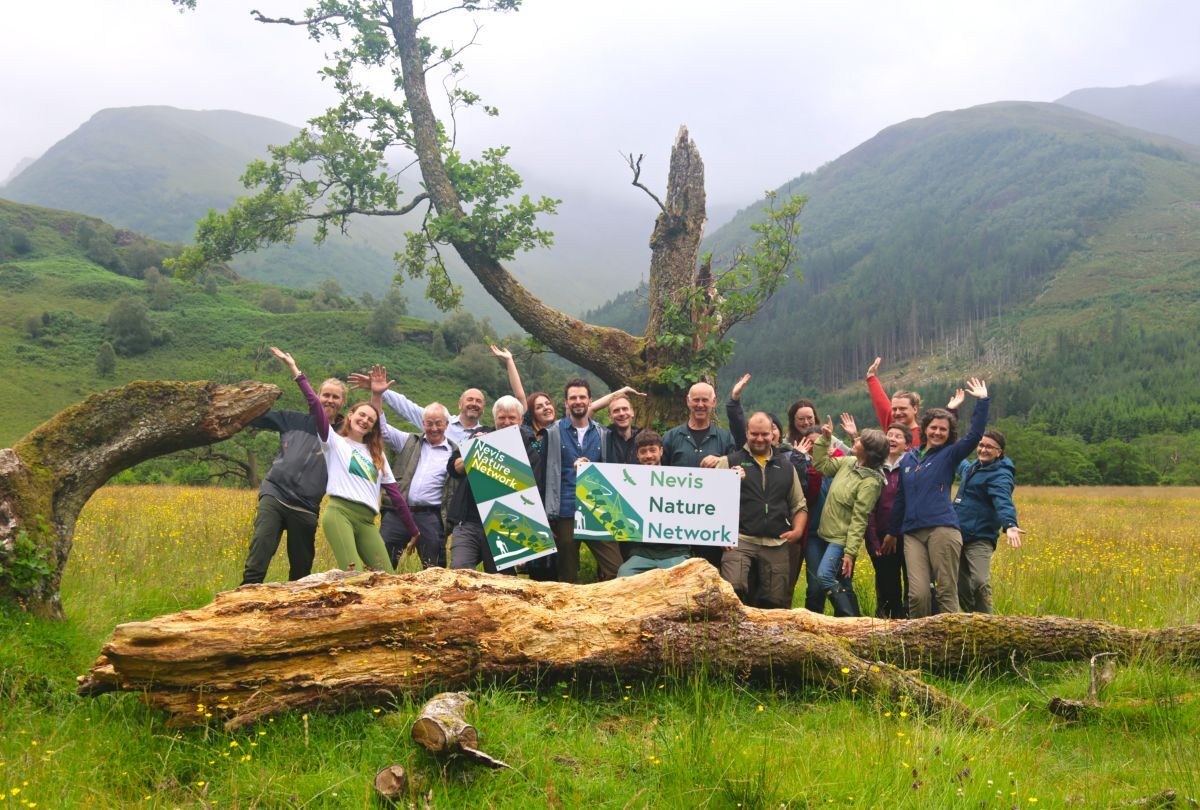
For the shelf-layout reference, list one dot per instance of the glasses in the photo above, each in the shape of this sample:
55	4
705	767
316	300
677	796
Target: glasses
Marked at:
995	447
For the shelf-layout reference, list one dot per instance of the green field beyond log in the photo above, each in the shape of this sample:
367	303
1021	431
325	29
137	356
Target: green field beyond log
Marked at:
1130	556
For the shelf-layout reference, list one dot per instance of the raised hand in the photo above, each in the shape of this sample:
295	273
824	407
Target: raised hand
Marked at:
378	381
957	400
805	444
503	354
874	367
849	426
287	360
977	388
827	428
736	393
357	380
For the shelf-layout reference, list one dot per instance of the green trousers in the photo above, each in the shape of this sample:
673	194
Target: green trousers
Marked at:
352	534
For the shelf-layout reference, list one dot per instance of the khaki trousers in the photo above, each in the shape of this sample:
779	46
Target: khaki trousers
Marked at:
932	558
770	563
606	552
975	577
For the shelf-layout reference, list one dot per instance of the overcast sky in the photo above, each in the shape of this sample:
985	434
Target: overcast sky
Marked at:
767	89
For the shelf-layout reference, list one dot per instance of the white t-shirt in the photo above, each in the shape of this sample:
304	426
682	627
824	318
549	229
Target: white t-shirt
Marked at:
352	474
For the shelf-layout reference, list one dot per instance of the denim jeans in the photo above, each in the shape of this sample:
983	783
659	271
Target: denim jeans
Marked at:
823	562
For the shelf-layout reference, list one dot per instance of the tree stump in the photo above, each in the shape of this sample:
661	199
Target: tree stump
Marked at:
340	638
443	730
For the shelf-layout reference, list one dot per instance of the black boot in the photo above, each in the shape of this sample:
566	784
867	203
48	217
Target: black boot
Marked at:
845	602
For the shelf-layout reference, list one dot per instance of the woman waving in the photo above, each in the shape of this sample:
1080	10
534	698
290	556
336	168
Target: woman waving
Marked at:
358	470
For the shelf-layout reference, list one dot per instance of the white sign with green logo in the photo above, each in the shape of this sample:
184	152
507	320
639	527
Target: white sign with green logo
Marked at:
502	484
633	503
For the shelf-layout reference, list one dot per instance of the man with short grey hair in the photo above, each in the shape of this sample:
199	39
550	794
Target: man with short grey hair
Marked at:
420	471
468	543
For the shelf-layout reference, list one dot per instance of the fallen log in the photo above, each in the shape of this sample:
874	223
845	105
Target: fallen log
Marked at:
342	638
47	477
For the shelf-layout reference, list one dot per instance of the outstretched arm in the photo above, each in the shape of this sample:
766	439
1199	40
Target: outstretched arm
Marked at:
408	410
514	376
310	396
602	403
880	401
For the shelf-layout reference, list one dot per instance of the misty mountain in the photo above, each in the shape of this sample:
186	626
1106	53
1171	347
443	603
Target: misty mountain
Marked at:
968	238
157	170
1169	107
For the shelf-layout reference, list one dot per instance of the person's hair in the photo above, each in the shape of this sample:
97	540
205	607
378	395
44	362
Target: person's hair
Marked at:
778	425
995	436
339	384
647	437
437	407
756	415
903	429
812	430
507	403
793	434
913	398
374	438
578	382
530	402
617	399
875	445
940	413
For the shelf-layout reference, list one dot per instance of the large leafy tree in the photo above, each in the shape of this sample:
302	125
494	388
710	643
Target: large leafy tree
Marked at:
339	167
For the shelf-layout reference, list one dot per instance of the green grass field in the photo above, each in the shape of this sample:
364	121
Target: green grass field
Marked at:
690	740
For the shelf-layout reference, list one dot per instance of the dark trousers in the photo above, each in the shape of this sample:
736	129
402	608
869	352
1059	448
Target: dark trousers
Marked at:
431	545
606	552
271	521
890	579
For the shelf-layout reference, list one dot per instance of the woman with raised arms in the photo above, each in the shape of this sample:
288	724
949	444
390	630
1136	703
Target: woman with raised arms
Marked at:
923	514
358	470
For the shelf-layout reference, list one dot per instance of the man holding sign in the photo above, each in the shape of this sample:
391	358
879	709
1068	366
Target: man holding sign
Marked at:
772	516
469	543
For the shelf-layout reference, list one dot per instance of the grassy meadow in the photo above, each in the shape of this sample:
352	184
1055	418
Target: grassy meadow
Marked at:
691	740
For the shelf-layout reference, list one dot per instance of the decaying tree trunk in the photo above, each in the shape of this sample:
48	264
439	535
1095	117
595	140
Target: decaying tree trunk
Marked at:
47	477
336	638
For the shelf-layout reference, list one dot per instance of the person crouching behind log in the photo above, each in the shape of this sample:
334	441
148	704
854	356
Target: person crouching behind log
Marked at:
468	543
357	470
854	488
646	556
771	518
923	514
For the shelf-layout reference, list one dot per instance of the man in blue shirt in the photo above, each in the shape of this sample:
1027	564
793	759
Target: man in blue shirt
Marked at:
573	440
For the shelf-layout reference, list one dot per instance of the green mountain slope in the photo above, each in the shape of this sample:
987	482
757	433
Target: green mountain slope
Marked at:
1168	107
55	303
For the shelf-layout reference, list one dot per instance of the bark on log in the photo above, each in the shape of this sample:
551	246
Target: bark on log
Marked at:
335	639
47	477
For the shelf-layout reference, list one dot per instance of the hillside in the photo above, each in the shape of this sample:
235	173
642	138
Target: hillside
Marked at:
56	302
1170	107
157	170
1030	241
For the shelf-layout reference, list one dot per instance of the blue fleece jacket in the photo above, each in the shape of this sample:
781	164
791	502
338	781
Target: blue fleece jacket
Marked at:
984	503
926	478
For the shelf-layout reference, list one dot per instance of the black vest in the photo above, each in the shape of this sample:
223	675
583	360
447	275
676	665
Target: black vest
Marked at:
766	506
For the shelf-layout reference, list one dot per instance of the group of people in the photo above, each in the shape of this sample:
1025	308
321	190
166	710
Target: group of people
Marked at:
808	499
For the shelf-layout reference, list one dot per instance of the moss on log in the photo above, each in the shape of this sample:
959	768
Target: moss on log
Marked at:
47	477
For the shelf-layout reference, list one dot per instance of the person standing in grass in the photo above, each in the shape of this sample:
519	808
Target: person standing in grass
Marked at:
923	514
357	470
903	407
985	508
647	556
854	488
890	576
290	497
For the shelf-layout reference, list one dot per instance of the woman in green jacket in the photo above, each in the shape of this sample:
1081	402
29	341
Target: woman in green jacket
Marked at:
855	484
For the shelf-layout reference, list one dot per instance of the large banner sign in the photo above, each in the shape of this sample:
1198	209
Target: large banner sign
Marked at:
633	503
503	487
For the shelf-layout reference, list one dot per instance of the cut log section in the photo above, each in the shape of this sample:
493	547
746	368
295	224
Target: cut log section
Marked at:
442	729
337	638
